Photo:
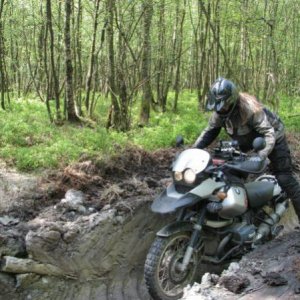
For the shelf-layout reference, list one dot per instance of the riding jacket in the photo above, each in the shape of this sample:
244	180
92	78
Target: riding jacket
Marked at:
244	129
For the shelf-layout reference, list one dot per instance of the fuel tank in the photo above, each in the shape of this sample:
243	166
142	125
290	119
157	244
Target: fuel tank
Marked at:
235	203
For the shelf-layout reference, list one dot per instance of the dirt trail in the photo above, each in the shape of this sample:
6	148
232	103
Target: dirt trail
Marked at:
83	232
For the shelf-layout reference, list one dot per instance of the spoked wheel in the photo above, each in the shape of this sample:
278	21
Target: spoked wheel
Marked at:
164	279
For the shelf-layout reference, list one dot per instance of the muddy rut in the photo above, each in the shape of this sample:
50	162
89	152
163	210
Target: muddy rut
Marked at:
83	232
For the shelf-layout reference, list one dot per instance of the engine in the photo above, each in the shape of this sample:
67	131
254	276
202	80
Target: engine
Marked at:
243	233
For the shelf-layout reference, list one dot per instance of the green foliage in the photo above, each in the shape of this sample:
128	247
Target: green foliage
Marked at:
164	127
29	142
290	112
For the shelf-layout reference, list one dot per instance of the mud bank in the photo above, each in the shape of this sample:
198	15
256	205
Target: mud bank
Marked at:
82	233
272	271
99	256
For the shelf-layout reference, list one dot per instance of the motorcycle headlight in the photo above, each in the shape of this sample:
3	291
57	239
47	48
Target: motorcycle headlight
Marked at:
178	176
189	176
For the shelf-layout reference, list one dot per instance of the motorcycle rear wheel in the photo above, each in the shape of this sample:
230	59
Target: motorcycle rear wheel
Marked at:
163	278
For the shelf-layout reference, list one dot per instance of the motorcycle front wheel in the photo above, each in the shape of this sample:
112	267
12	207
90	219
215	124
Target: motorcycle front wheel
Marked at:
163	278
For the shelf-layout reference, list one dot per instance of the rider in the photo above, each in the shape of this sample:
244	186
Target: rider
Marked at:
244	119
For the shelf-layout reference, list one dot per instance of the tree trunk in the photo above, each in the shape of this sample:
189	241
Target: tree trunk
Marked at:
71	114
52	59
202	76
161	77
114	118
146	63
88	83
3	85
78	72
179	54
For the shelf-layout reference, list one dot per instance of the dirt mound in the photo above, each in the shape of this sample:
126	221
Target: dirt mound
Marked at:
272	271
119	180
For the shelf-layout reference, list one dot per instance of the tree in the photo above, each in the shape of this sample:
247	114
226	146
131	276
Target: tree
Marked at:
3	75
180	15
93	54
145	49
70	103
147	8
114	117
52	62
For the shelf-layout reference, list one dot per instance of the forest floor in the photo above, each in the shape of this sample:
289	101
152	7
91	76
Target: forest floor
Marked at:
52	218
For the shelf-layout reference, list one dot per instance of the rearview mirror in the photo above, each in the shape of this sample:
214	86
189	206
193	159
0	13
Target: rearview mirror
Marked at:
179	141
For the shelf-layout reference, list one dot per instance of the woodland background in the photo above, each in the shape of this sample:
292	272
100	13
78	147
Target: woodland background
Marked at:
111	71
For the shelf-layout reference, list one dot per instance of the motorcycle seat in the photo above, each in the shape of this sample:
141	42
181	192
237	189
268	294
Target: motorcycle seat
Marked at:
259	193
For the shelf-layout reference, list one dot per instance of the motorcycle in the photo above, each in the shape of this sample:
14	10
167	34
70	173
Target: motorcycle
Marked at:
220	215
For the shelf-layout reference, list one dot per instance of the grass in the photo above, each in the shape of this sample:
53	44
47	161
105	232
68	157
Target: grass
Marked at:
30	142
290	113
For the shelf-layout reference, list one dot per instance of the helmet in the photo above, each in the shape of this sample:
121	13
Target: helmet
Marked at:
222	96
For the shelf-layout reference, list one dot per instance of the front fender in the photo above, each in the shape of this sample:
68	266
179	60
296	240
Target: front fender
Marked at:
175	227
170	200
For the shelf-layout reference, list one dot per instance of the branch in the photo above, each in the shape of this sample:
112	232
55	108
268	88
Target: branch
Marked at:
216	38
16	265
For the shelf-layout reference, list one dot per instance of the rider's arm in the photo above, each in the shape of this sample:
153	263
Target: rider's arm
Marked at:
262	125
210	132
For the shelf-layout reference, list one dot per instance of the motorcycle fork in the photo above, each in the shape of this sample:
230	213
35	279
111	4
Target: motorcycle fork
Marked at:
194	241
181	215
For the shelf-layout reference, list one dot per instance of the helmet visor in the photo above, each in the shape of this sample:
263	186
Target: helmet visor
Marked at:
223	105
210	102
218	103
220	106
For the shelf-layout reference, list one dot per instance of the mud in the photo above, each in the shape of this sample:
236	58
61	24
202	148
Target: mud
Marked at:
269	272
83	232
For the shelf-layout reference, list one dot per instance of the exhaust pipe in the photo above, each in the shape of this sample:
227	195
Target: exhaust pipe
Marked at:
265	228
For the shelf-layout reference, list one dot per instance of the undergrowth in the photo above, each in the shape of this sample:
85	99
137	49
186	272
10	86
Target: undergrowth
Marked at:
29	141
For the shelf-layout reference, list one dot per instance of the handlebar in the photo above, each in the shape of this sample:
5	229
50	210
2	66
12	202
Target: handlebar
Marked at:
228	150
229	156
229	144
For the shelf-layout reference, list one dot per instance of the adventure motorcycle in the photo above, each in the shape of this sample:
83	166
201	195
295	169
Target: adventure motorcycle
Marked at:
219	215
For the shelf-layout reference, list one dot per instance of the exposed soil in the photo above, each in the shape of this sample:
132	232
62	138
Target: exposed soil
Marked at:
88	227
121	181
84	231
269	272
